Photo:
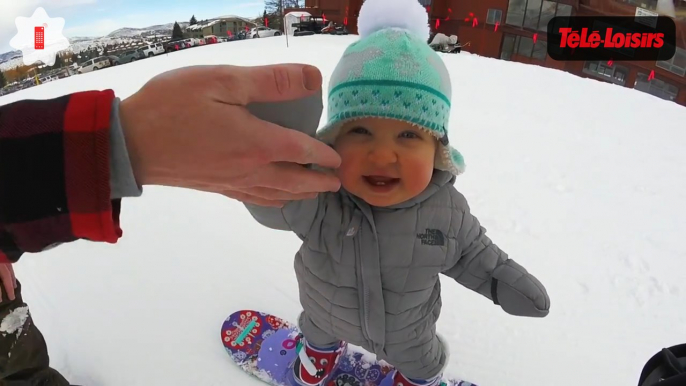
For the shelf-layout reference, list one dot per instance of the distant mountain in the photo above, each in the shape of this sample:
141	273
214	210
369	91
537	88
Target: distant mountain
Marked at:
161	29
7	56
78	39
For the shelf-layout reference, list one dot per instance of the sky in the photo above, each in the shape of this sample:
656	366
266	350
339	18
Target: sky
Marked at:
100	17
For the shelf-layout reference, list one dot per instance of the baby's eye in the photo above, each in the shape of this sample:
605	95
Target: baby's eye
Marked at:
359	130
409	134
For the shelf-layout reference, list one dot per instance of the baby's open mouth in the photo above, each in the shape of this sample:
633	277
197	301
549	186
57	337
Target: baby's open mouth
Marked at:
381	180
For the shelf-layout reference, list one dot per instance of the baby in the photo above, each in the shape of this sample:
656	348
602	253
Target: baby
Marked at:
368	269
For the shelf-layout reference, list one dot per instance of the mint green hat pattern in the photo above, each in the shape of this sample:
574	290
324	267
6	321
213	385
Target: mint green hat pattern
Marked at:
392	73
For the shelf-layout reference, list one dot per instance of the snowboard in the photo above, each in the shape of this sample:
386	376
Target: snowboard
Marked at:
264	345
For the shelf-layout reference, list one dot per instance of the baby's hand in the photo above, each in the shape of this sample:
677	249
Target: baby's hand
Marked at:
519	292
9	281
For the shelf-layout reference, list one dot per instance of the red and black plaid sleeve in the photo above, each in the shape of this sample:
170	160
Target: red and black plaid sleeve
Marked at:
54	173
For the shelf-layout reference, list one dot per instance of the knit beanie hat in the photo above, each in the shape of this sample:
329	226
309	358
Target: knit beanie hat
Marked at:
391	72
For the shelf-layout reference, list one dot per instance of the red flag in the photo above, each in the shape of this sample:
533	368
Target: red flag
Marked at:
535	37
652	75
497	23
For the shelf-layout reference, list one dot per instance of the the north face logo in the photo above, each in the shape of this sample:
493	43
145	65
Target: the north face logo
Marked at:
432	237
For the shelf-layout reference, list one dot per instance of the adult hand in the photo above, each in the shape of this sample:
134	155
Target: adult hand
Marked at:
190	128
9	281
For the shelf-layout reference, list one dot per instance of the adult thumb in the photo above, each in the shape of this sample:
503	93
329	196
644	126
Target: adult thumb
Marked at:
280	82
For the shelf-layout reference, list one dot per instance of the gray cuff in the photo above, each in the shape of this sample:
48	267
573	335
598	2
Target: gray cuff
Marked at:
122	180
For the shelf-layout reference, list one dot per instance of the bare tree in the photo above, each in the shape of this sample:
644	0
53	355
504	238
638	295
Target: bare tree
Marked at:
274	6
274	10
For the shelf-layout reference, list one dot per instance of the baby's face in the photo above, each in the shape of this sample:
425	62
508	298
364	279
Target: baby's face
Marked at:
385	162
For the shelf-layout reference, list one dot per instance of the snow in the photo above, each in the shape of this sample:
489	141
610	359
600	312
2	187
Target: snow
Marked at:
580	181
14	321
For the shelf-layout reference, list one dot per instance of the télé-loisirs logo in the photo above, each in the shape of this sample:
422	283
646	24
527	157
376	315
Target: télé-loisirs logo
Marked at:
613	38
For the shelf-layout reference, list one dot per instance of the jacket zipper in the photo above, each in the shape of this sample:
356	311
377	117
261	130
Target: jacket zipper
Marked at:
356	225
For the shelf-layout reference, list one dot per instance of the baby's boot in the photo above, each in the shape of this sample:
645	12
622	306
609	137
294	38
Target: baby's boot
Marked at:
314	365
394	378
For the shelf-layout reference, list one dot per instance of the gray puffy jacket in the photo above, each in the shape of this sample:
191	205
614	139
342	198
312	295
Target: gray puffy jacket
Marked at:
370	275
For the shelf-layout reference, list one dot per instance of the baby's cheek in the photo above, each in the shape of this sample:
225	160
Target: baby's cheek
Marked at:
349	171
417	173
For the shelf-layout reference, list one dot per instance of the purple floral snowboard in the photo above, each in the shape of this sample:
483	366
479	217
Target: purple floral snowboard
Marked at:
265	345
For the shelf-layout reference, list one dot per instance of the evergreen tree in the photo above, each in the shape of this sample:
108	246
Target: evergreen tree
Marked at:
193	20
3	81
177	33
59	63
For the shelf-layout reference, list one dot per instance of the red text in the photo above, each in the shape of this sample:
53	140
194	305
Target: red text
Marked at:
584	39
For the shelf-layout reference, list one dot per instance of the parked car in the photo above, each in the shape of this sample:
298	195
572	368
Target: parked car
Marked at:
47	78
190	42
264	32
240	35
132	56
114	60
175	45
95	64
153	49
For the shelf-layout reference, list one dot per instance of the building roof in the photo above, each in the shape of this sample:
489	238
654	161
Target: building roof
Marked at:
234	17
298	14
213	21
199	26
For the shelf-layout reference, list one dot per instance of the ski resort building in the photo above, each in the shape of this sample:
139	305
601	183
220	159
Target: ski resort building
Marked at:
219	26
515	30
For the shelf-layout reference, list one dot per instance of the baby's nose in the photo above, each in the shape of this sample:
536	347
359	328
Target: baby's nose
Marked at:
383	155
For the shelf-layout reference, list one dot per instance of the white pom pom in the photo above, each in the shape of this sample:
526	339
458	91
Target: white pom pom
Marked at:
407	14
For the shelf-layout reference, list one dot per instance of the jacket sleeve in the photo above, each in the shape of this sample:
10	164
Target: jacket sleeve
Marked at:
302	115
484	268
55	159
296	216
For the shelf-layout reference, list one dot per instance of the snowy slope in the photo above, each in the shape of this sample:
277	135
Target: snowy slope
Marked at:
580	181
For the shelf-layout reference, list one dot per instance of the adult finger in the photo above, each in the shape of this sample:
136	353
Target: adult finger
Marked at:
7	281
250	199
286	145
278	82
294	178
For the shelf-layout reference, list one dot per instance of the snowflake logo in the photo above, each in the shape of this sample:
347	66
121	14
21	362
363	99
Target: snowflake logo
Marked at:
26	39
